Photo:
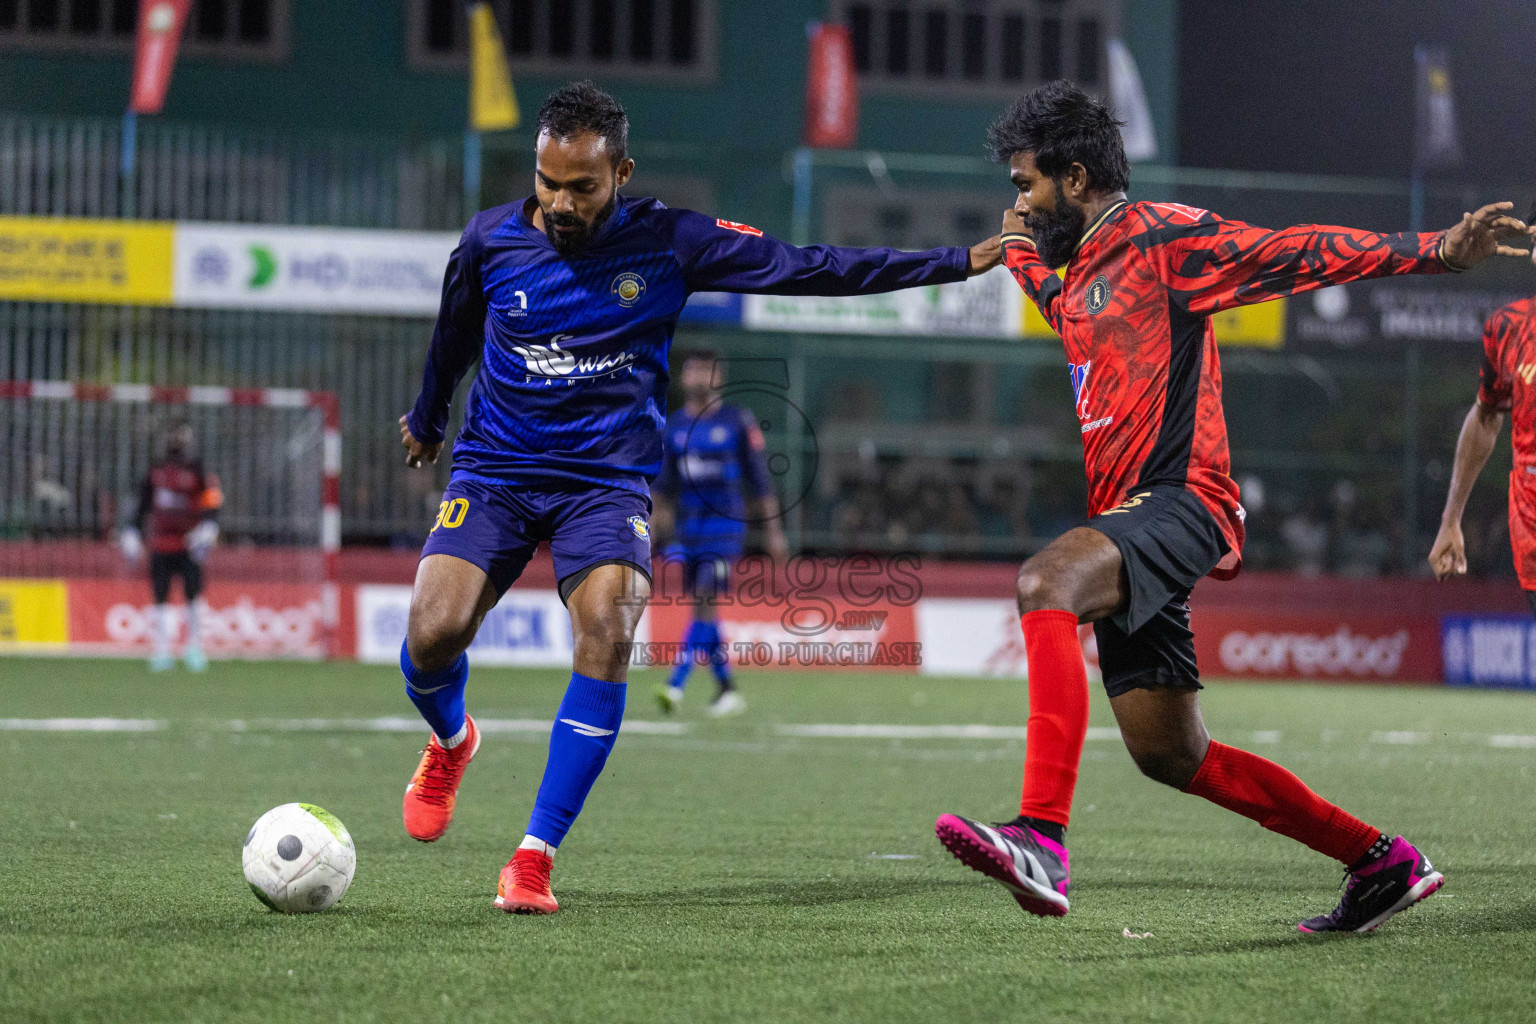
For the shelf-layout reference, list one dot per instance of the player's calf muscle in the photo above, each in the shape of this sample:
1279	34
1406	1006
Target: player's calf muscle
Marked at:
1079	572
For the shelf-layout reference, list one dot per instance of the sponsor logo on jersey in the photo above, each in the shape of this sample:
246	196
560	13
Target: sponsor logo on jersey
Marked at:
627	288
640	526
1097	296
731	225
552	361
1080	388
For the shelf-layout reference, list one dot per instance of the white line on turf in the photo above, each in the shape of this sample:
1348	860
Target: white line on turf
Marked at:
413	725
1399	738
921	732
82	724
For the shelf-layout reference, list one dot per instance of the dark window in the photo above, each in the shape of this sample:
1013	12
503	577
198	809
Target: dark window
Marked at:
1088	51
860	27
440	25
210	20
936	48
1012	64
602	29
85	17
642	30
43	15
970	223
898	30
125	17
520	27
973	46
895	221
562	29
681	43
8	13
1050	48
253	21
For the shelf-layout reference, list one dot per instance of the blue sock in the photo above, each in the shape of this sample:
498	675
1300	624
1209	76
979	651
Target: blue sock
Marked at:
439	696
718	656
686	656
586	727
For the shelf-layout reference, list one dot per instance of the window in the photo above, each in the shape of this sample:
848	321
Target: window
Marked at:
657	39
976	47
253	29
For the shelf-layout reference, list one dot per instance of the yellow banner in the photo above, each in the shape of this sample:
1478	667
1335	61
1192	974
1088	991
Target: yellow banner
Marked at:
33	613
1261	326
492	103
57	259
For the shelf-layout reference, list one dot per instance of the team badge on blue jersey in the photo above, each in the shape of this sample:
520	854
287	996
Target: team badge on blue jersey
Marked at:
641	527
1098	295
627	288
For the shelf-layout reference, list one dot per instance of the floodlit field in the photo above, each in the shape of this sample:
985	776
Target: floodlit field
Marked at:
737	870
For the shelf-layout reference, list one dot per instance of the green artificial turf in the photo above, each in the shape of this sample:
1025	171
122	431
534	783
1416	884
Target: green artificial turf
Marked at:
733	872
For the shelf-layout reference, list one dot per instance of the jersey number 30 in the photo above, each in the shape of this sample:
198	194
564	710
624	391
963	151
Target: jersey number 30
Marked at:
450	514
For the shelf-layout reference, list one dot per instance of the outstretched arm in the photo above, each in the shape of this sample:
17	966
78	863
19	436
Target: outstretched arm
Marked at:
456	343
1479	433
1210	264
721	255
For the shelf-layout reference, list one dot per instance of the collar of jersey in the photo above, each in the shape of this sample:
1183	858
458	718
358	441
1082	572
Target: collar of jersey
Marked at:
1102	219
537	237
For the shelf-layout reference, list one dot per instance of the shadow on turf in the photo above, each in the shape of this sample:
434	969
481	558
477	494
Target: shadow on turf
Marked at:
797	893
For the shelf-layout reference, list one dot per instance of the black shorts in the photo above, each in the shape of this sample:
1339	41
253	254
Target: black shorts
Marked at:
1167	542
162	567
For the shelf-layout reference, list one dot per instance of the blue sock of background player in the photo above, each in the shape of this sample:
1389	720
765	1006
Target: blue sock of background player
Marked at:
693	641
718	654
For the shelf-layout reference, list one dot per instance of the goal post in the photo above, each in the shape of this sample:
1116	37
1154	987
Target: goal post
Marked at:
72	457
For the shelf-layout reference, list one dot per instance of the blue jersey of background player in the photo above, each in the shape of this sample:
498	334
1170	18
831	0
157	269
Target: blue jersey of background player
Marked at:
569	299
714	481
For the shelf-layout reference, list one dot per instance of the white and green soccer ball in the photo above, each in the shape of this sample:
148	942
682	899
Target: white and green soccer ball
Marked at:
299	858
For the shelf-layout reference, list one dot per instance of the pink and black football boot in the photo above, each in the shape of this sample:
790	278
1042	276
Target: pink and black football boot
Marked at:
1033	866
1384	887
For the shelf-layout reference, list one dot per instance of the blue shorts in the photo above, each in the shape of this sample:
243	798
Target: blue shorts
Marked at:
706	566
498	526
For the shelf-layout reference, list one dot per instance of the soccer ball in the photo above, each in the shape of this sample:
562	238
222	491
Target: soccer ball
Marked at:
299	858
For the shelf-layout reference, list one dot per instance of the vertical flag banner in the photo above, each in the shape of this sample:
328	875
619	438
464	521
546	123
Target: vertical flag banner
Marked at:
1129	101
154	55
831	89
1436	138
492	103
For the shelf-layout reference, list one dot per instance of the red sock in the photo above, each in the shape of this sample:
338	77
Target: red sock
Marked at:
1273	797
1058	714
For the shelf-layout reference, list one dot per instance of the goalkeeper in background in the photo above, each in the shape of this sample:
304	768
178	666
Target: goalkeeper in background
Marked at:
177	520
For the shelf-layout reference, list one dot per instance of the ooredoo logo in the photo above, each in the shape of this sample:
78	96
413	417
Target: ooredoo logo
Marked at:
1340	653
243	626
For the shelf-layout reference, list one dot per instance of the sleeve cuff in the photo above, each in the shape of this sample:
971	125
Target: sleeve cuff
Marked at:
1017	239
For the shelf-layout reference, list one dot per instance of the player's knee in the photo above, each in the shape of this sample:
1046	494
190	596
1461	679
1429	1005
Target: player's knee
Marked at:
1171	762
606	640
1038	589
437	635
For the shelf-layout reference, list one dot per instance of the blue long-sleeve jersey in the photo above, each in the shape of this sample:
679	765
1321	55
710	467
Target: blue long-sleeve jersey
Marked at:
711	464
573	352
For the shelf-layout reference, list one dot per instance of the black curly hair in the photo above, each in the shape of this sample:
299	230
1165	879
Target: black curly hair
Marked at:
581	108
1063	125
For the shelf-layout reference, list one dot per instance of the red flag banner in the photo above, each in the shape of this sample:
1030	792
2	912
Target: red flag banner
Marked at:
160	25
831	90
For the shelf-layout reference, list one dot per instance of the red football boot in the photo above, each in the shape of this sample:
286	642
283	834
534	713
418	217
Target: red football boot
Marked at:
430	796
524	884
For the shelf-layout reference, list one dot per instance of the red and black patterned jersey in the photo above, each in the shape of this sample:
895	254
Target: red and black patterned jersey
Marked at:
1133	311
174	498
1509	368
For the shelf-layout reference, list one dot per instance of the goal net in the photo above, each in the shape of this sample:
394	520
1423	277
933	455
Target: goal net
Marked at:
72	460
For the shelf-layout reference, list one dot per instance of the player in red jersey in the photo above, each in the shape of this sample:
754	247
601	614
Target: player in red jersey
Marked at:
179	503
1142	280
1508	371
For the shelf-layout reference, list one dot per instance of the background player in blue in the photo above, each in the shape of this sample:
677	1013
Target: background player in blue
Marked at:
569	299
714	481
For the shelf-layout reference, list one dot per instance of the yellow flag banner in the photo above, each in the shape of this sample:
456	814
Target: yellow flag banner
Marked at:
492	103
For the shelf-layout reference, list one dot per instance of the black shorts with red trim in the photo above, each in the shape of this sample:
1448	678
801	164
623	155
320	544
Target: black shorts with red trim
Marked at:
165	566
1168	540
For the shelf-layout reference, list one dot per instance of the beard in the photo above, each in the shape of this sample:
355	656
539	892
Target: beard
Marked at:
571	235
1057	231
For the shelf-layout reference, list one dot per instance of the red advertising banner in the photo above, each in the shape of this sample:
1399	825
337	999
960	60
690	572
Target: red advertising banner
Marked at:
240	620
831	90
160	25
1333	647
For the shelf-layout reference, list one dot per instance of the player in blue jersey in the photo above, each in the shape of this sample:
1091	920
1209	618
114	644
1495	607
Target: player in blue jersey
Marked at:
714	481
568	299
